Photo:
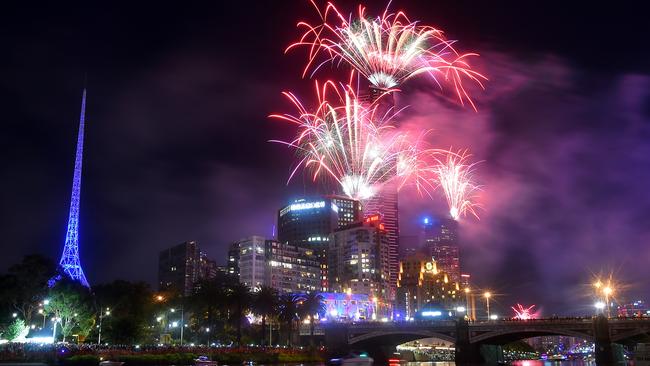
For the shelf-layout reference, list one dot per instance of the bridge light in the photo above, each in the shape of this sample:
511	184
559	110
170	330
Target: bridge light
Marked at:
487	294
467	290
494	317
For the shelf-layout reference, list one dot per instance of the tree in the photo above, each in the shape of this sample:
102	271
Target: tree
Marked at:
312	306
239	297
208	305
25	286
71	304
265	304
131	309
288	312
16	330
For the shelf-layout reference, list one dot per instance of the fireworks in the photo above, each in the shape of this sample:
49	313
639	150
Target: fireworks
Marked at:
454	176
350	143
524	313
387	50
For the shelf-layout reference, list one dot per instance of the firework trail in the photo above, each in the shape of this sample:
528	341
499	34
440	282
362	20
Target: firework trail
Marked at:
387	50
524	313
349	142
454	177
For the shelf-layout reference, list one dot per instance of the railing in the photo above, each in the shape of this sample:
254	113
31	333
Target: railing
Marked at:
450	323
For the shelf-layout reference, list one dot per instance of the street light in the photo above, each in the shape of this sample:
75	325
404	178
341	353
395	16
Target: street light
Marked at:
101	317
487	296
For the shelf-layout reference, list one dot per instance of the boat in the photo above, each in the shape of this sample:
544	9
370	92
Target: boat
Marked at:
353	359
111	363
204	361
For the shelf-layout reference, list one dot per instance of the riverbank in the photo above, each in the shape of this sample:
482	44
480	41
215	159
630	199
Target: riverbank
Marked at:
81	355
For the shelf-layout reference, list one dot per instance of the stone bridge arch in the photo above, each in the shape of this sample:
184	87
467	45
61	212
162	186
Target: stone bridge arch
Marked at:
398	336
507	335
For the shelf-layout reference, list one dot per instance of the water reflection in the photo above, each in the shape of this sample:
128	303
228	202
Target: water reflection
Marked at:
516	363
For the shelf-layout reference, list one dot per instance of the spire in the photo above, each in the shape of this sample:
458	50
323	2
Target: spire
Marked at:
70	262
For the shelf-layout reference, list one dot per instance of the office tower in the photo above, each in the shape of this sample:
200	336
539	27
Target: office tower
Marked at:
182	266
309	222
384	203
232	267
291	268
358	260
252	262
70	262
424	290
440	240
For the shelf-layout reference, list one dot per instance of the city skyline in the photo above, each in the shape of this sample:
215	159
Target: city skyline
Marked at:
160	172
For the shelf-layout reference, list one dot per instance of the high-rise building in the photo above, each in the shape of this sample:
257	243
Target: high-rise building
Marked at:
182	266
252	261
423	289
358	260
291	268
309	222
384	203
232	267
70	262
440	241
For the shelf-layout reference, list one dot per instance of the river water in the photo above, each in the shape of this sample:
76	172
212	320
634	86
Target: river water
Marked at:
515	363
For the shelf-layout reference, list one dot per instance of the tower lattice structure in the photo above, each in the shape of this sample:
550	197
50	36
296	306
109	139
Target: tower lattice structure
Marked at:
70	263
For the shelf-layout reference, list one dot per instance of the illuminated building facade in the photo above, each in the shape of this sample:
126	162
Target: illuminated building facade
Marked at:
309	222
290	268
347	307
421	286
181	266
358	259
232	267
440	241
634	309
384	203
252	261
70	262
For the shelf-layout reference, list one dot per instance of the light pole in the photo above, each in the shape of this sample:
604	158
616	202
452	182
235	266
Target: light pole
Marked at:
40	311
182	323
607	291
487	296
467	304
55	320
101	317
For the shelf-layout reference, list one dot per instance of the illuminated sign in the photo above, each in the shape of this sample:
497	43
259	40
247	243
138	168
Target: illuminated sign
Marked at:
302	206
431	313
373	218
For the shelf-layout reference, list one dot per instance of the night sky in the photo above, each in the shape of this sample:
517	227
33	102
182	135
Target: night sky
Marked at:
177	131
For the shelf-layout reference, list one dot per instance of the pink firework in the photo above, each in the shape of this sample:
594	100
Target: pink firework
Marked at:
454	176
524	313
347	141
387	50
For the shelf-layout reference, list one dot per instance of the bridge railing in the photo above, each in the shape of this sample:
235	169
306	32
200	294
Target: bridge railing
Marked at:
452	322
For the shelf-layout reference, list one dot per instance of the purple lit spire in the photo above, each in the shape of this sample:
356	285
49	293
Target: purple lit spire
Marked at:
70	257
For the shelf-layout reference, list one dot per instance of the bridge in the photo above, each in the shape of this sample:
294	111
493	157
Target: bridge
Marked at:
470	338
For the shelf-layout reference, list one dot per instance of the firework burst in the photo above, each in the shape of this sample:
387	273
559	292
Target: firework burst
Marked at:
524	313
387	50
454	176
349	142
